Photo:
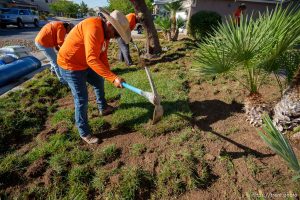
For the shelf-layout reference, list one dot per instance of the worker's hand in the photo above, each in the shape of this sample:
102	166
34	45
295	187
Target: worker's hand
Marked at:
118	82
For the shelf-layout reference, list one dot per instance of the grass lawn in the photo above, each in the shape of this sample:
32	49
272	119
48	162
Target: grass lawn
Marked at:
190	154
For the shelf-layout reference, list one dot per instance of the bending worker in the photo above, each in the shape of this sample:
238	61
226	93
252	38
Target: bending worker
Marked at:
83	58
124	52
51	36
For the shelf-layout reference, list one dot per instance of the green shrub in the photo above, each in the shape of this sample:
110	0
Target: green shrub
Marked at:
202	24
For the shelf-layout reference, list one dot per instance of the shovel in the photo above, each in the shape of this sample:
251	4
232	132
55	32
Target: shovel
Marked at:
152	97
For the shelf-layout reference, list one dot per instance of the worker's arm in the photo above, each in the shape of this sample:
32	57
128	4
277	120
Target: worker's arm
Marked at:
93	41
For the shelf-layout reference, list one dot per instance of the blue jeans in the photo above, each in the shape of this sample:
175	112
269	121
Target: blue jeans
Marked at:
52	57
124	52
77	82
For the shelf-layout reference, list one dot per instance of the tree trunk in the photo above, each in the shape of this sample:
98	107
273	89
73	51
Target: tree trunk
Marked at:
255	108
173	23
287	110
152	43
175	36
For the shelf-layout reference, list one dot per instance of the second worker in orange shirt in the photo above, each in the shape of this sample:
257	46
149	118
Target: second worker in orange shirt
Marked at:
124	51
83	58
51	36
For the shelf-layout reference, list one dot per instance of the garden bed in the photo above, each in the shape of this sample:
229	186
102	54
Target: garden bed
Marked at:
202	149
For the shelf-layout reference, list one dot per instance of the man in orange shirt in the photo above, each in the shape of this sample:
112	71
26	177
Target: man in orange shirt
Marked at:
83	58
124	52
51	36
239	11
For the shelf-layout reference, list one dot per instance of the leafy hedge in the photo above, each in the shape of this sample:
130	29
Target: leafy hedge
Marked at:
202	23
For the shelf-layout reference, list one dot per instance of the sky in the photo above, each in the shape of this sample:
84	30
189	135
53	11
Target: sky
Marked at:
93	3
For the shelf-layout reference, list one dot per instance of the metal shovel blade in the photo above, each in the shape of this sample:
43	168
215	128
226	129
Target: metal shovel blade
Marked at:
158	109
157	114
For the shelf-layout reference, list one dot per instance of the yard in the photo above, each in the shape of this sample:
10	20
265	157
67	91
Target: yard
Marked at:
202	149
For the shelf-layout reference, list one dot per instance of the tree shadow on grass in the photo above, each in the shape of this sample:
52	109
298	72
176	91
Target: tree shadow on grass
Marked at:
207	112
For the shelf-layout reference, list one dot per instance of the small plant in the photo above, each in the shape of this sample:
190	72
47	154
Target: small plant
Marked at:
138	149
107	155
279	144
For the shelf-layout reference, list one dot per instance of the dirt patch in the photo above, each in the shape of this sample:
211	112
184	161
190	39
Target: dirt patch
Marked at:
239	158
36	169
47	177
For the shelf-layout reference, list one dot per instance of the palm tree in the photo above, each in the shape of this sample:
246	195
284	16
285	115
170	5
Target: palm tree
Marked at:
164	24
287	110
173	7
252	47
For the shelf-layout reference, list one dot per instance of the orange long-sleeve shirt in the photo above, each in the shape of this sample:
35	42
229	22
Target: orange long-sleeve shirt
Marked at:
131	17
51	35
84	47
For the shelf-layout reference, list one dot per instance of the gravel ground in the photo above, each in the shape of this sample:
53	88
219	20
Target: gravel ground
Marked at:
27	43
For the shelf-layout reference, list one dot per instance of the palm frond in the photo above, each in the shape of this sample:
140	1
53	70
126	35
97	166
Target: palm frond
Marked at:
163	23
173	6
180	22
279	144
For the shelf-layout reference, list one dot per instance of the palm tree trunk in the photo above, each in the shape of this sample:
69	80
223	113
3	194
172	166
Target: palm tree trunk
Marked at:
287	110
173	19
255	108
152	43
175	36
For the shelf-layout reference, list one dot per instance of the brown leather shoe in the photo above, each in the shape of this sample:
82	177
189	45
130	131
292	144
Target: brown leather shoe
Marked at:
108	110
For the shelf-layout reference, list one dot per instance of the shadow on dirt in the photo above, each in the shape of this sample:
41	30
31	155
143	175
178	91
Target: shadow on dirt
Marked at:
207	112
